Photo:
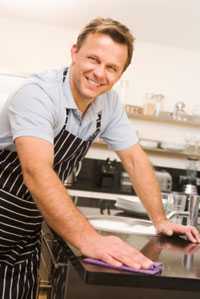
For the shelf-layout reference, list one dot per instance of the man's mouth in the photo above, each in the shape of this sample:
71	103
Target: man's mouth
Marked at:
93	82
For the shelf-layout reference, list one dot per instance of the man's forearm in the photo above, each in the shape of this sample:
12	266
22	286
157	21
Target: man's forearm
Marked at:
57	207
145	183
148	190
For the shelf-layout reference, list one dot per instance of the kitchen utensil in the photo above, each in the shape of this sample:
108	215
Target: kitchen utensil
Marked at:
153	104
193	210
191	170
179	111
108	173
179	201
155	268
191	145
192	204
149	105
190	189
159	103
126	185
165	180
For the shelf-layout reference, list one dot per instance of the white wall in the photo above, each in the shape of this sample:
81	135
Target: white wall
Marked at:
171	71
30	47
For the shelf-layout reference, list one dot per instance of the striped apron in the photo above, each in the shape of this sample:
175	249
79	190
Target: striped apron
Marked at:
20	219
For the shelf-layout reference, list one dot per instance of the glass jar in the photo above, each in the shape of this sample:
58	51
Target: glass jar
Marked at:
149	104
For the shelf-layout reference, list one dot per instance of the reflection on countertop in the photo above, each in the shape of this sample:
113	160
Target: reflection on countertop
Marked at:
181	272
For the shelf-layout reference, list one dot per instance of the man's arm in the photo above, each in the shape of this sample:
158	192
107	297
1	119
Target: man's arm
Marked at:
36	157
145	184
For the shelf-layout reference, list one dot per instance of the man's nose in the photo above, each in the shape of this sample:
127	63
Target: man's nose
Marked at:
100	71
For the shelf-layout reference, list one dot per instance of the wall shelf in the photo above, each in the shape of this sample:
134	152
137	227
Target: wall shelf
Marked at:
183	154
136	112
173	153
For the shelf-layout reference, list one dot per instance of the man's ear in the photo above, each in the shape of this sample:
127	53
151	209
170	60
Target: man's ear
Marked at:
74	51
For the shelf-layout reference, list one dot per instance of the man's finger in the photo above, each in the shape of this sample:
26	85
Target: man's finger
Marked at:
190	237
196	234
112	261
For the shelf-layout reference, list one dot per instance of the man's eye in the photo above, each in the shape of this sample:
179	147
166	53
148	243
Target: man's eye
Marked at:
92	58
112	69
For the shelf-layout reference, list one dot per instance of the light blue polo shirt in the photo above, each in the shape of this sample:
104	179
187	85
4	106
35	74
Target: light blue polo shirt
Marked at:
38	109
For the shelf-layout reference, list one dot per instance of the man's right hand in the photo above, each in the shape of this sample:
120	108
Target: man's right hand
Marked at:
114	251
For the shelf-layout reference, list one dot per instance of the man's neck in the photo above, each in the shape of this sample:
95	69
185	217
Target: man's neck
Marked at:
82	104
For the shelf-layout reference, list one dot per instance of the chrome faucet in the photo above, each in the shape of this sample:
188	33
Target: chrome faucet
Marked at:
193	200
193	209
190	209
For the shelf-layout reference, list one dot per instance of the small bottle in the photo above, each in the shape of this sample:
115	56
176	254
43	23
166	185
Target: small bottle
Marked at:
179	111
149	105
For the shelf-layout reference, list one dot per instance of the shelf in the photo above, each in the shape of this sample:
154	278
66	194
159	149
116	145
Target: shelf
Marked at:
161	151
173	153
136	112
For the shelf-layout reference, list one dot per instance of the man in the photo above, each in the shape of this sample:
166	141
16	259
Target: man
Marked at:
47	127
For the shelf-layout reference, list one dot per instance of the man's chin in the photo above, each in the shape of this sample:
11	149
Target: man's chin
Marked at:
89	93
92	95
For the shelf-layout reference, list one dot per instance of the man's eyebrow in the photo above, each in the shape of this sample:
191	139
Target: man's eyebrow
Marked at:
113	65
94	56
116	66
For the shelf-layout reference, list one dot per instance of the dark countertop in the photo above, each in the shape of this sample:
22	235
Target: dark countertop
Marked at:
180	258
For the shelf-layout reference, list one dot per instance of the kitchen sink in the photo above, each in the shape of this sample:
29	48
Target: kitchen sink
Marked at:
118	224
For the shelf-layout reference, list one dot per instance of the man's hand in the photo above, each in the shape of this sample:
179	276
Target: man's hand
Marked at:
114	251
168	228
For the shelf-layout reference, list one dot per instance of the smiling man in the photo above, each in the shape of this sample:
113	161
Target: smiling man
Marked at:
96	66
46	128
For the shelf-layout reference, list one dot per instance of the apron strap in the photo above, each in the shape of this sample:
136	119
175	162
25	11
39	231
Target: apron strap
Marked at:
98	127
65	74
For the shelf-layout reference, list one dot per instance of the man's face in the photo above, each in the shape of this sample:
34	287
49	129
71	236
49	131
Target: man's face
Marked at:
96	66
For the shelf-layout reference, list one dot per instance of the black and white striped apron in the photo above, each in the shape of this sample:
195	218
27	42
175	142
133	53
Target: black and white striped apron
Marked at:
20	219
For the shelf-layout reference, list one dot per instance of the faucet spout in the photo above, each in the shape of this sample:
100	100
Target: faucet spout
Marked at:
194	201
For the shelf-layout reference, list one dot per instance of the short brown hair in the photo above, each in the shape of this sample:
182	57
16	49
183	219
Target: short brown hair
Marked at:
116	30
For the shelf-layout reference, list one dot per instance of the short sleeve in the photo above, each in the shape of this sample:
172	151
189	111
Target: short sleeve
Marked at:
31	113
119	132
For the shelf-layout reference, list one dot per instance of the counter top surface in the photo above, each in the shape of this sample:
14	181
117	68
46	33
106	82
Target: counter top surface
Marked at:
97	194
180	258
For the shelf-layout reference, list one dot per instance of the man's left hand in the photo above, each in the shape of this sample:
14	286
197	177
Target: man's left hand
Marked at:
168	228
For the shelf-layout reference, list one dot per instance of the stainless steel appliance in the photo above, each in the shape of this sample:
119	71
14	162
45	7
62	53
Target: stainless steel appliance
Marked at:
165	180
108	173
126	185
